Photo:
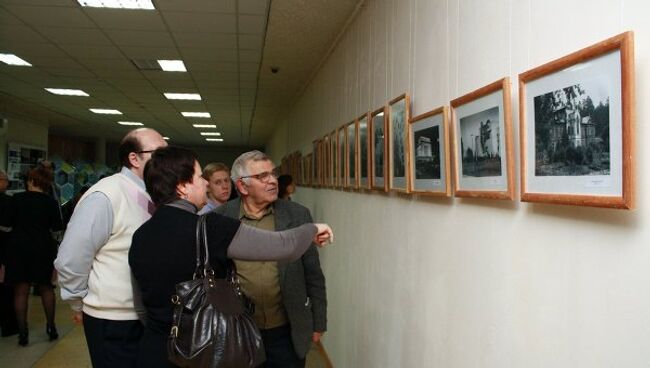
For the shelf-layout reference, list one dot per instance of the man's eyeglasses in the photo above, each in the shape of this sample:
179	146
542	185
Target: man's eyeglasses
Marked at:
147	151
264	177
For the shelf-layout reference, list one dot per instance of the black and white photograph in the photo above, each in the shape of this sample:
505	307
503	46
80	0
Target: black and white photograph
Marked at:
480	143
363	151
378	153
427	153
577	127
352	155
332	161
572	131
340	161
398	129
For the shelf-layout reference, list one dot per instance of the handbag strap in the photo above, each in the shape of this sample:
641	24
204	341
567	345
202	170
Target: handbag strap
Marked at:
202	258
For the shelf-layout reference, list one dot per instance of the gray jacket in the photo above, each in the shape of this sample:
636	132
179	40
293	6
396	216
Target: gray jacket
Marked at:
301	282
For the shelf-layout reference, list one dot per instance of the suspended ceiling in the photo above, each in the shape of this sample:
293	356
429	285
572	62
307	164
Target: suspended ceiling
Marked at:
226	45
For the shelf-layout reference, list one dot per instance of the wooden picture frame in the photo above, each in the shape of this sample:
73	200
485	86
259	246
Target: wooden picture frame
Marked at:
363	156
316	163
340	157
398	143
378	149
482	143
576	117
351	165
332	161
429	156
308	170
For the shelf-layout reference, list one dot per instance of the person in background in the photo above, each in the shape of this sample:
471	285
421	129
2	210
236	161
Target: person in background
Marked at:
93	264
163	254
285	187
34	220
8	323
290	297
219	185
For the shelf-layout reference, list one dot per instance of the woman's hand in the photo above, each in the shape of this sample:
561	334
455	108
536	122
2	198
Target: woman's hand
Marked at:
324	235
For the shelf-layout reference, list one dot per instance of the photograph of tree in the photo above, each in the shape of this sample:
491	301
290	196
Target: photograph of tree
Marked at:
427	153
398	129
378	140
572	131
481	144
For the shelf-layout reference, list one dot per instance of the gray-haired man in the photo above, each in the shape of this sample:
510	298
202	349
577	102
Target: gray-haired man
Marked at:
290	297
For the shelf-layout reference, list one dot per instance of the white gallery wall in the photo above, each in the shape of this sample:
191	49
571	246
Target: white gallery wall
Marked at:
419	282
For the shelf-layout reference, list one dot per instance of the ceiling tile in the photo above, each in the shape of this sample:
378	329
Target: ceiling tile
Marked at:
78	36
205	78
67	72
18	34
110	75
206	40
200	22
65	3
211	67
250	42
107	64
7	18
202	6
253	7
129	19
51	16
252	24
41	49
203	55
44	61
249	67
141	38
151	53
250	56
109	52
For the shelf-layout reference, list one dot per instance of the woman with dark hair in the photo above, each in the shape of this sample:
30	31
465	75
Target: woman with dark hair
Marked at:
33	219
162	252
285	187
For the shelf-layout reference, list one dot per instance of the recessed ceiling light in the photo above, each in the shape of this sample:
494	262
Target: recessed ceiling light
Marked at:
196	114
166	138
118	4
129	123
211	133
11	59
183	96
106	111
214	139
205	126
66	92
172	65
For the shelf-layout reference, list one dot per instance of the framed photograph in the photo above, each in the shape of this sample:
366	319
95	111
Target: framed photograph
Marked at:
576	116
378	161
363	144
307	170
351	155
482	143
316	163
429	153
398	113
340	157
332	160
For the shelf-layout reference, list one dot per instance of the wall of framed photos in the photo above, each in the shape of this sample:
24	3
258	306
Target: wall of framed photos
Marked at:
454	281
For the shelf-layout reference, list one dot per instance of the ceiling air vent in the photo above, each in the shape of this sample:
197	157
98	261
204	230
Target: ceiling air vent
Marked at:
144	64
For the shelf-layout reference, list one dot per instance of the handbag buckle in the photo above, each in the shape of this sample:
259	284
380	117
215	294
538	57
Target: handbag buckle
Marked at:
176	299
174	331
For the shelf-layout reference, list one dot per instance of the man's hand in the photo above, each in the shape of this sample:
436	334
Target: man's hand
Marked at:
315	337
77	317
324	235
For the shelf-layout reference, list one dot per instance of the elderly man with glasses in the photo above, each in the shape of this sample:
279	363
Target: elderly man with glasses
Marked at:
93	260
290	298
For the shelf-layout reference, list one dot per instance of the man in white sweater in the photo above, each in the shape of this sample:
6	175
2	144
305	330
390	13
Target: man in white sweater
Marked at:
92	262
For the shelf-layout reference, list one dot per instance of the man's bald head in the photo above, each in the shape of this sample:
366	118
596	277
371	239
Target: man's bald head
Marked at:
136	147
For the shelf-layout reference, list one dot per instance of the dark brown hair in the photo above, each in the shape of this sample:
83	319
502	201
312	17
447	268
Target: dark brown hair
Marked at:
168	167
129	144
40	177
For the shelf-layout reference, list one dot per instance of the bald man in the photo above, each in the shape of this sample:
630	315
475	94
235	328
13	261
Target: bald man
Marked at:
93	265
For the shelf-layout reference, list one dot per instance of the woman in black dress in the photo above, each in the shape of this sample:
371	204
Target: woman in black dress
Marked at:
33	218
162	253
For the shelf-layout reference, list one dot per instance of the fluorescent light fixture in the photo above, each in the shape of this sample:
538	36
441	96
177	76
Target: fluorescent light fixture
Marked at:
118	4
106	111
130	123
172	65
11	59
196	114
213	126
183	96
66	92
211	133
214	139
166	138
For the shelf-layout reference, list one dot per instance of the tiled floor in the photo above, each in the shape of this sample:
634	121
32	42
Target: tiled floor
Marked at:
69	350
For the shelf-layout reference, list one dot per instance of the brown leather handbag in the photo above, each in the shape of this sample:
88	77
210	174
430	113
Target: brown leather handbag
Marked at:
212	324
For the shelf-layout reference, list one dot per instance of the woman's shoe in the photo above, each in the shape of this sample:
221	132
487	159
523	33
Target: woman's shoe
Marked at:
23	337
52	332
